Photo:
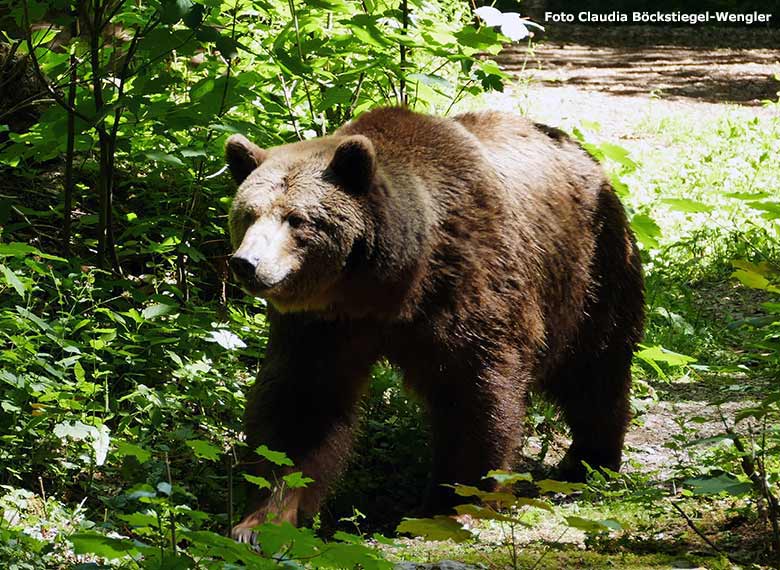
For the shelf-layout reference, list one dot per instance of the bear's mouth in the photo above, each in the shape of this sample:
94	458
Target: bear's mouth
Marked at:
255	288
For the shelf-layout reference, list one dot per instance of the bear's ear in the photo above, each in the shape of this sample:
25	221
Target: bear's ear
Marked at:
354	162
242	157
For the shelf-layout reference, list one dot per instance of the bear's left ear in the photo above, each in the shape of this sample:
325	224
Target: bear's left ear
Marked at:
242	157
354	162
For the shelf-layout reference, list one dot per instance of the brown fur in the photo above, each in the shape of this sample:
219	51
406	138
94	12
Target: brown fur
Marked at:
485	255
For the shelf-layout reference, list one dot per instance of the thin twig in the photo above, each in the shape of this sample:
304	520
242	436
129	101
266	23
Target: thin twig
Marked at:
547	550
230	490
294	14
287	92
42	78
759	479
404	100
694	528
170	500
43	495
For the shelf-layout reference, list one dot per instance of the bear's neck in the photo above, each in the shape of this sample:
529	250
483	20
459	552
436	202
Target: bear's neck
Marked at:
386	270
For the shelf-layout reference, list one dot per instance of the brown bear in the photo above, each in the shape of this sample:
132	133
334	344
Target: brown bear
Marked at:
482	254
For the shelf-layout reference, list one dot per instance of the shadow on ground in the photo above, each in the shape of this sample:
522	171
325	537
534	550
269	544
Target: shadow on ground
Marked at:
719	65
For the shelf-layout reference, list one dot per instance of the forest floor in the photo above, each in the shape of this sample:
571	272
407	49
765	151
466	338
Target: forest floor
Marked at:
664	95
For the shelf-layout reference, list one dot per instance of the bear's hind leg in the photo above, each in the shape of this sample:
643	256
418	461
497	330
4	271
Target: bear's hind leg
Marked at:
592	390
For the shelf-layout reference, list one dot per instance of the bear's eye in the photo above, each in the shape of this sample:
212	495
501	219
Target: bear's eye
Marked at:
295	220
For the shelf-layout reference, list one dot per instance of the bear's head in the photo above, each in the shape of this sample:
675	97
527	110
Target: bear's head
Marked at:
298	214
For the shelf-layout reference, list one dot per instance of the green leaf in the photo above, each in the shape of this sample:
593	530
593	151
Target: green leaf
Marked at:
158	310
686	205
484	496
762	268
431	80
723	483
74	430
163	157
16	249
125	448
13	280
142	491
78	371
139	519
485	513
296	480
193	152
660	354
507	477
43	325
646	230
100	545
346	555
747	195
227	46
203	449
225	548
194	16
618	154
172	11
754	275
437	528
226	339
772	209
276	457
284	537
335	96
550	486
536	503
261	482
751	279
592	526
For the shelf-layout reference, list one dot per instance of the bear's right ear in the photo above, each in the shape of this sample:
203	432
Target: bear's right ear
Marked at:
354	162
242	157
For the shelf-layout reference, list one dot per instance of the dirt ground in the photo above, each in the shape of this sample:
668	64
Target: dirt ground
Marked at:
613	74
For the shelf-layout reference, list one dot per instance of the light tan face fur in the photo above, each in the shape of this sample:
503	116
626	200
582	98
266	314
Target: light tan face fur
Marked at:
296	224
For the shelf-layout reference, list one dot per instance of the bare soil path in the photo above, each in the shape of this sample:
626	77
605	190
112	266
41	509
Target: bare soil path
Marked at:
614	75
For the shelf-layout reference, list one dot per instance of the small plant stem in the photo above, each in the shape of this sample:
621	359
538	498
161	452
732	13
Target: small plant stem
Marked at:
694	528
403	98
172	514
547	550
67	213
43	495
756	472
287	92
230	490
42	78
294	15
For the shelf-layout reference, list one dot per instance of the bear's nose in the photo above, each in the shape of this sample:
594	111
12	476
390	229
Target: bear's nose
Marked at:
243	268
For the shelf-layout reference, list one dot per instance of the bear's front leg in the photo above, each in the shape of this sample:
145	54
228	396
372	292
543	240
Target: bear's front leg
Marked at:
303	404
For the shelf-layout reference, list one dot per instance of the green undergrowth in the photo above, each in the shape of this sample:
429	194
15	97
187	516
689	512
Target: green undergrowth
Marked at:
122	393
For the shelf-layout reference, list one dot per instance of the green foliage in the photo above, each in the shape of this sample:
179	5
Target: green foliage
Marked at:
122	380
125	353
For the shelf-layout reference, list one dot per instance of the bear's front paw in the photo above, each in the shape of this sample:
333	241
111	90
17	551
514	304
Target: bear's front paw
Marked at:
244	534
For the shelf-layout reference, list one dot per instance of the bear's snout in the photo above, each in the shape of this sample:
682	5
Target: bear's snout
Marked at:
243	268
